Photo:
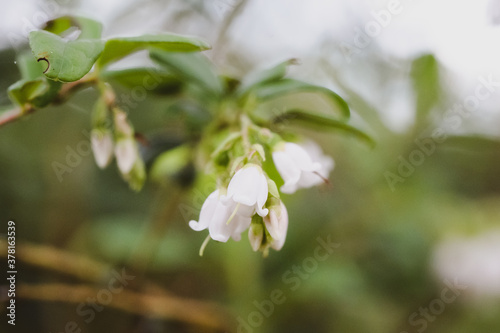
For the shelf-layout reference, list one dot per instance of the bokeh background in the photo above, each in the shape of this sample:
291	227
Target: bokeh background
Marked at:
415	220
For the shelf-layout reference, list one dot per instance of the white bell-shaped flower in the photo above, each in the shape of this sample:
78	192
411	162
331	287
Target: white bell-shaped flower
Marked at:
223	219
248	188
301	167
102	147
277	225
126	153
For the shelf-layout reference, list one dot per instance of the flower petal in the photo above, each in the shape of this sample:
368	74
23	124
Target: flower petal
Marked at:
218	228
281	229
263	192
300	157
242	187
287	170
239	224
207	212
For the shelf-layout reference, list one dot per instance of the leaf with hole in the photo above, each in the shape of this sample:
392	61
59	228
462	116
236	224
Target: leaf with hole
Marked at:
89	29
64	61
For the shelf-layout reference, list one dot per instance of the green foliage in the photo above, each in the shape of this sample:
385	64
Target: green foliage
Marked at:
39	92
170	163
203	101
191	67
426	83
88	29
274	89
117	48
161	82
258	78
322	121
65	61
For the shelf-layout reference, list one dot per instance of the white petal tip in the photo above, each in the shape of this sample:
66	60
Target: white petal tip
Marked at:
195	225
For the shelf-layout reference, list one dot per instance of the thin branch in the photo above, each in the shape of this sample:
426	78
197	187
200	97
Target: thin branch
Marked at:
67	90
12	115
165	307
155	301
52	259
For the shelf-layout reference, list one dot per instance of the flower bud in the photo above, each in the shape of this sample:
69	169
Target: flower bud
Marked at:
102	147
126	154
277	225
256	233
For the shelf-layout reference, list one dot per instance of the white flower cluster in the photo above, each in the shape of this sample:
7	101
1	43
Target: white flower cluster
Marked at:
249	203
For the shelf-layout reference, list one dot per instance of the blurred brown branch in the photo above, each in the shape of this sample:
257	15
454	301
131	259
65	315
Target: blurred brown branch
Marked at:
56	260
153	301
166	307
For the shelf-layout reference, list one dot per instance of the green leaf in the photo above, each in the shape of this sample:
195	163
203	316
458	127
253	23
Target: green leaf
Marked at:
170	163
260	77
65	61
425	76
28	66
89	29
137	176
39	92
118	48
192	67
290	86
322	121
152	79
273	189
226	144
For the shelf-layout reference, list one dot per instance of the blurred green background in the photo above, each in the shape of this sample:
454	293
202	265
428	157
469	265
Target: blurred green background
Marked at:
402	237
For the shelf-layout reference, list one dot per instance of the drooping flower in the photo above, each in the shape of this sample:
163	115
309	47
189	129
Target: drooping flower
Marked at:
223	219
271	230
248	188
301	167
126	150
277	225
102	147
227	216
126	154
